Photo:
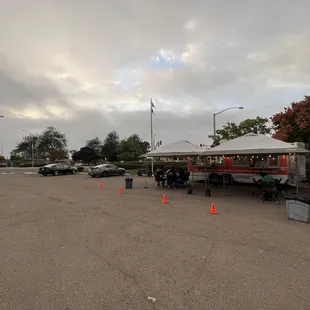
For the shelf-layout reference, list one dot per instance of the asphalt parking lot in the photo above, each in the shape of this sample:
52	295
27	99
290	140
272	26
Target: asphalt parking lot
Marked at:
68	244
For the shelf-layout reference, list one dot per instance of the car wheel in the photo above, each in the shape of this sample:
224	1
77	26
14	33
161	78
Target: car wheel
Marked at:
56	173
105	174
73	171
122	172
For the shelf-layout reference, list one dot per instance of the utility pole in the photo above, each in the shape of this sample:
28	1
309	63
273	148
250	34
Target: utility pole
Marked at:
152	106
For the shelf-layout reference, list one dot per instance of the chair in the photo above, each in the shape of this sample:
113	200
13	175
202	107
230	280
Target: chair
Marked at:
186	177
270	192
171	180
184	181
283	187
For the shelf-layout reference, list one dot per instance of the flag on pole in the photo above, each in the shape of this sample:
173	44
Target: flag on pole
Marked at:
152	107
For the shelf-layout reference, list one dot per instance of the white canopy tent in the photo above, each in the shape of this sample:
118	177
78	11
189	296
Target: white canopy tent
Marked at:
175	149
254	144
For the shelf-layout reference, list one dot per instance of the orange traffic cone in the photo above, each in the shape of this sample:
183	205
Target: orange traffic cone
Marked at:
164	199
100	185
213	209
121	190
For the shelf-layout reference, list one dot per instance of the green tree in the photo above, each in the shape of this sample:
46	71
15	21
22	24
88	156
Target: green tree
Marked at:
87	155
110	146
95	144
15	156
231	131
23	149
132	148
293	125
50	144
50	140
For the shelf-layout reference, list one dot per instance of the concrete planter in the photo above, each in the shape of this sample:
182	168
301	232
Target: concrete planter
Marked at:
297	209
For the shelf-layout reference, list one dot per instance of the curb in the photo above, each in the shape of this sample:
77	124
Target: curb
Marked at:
7	173
30	173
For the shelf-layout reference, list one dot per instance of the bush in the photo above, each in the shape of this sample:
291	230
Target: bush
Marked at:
130	165
157	164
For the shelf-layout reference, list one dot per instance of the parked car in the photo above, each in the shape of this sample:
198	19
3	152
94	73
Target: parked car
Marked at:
105	170
57	169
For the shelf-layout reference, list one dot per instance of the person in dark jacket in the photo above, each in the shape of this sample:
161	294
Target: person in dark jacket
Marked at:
159	177
171	177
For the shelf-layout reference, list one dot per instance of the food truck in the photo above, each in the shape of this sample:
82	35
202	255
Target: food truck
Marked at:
247	157
243	168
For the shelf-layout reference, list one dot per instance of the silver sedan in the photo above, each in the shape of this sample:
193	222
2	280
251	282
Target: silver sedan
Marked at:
105	170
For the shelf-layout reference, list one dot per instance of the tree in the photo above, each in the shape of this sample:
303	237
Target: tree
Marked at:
15	156
72	152
86	154
231	131
50	140
23	149
132	148
2	158
57	154
293	125
50	144
110	146
95	144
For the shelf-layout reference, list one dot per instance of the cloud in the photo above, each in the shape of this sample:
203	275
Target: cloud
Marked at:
74	63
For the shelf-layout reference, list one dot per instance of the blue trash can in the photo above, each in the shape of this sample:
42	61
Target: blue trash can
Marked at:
128	183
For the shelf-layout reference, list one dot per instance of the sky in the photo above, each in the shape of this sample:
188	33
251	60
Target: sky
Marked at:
89	67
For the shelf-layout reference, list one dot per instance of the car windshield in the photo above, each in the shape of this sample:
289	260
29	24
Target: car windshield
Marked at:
50	165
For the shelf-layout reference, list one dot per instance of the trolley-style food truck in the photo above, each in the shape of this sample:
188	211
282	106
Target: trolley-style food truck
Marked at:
246	158
243	168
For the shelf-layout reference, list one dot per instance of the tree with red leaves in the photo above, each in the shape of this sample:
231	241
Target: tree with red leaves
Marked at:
293	125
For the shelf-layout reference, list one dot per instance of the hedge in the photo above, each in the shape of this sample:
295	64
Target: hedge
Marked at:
144	165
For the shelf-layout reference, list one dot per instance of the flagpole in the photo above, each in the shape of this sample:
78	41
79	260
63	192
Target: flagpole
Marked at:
152	138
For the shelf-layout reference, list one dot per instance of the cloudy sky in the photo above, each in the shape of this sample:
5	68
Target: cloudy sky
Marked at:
90	66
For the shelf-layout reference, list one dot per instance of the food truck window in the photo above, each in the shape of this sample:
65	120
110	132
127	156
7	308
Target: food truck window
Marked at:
241	160
198	162
252	161
217	161
260	161
273	161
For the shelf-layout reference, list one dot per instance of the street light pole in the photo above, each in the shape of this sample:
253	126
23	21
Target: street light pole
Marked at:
214	119
32	147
